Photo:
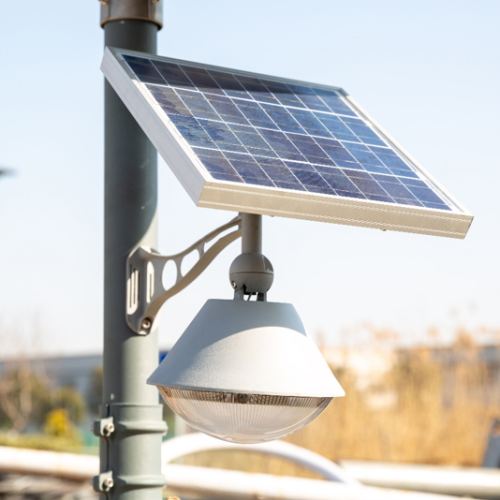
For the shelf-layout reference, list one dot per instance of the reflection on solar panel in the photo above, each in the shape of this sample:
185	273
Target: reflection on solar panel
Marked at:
259	144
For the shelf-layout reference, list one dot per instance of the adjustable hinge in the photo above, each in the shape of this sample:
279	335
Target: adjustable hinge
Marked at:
145	291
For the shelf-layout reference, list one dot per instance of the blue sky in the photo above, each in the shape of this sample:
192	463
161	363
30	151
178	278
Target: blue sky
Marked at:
428	72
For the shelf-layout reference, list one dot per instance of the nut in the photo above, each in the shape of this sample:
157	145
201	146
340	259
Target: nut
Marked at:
108	483
109	428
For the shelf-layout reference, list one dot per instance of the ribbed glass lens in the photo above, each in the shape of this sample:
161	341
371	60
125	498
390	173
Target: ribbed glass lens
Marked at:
243	418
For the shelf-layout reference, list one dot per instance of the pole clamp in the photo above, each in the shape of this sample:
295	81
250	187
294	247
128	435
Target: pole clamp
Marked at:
145	291
141	10
144	426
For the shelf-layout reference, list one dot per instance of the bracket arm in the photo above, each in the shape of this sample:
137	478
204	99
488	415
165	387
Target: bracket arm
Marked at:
145	291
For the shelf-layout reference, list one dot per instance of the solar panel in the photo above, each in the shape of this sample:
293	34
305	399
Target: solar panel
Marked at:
261	144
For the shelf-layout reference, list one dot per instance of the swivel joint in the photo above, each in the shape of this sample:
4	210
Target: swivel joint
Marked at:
251	273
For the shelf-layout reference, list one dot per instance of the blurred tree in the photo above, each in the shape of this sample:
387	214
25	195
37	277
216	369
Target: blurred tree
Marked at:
57	423
71	401
27	397
23	395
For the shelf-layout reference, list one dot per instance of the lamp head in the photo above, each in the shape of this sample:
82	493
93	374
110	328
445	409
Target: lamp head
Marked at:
246	372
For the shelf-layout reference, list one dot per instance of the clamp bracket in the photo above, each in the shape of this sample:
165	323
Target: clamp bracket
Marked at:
103	482
141	10
103	427
145	291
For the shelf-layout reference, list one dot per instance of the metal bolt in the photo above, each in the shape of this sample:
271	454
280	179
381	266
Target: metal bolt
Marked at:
233	284
146	323
108	483
109	428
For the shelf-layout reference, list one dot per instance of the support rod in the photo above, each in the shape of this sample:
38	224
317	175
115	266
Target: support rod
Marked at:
251	233
130	454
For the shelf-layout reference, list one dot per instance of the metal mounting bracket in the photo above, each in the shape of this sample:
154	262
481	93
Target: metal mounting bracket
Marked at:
103	482
145	291
103	427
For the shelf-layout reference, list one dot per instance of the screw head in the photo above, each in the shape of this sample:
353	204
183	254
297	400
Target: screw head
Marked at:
109	428
146	323
108	483
233	284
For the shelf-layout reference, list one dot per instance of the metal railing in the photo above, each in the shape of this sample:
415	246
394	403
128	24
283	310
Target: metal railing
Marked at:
351	481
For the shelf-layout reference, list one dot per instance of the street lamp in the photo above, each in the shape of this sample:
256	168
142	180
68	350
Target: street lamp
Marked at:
256	145
245	371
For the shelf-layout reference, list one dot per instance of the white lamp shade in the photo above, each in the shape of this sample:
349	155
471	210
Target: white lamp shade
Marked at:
246	372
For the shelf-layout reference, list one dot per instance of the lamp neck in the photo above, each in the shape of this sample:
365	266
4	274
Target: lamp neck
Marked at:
251	233
251	273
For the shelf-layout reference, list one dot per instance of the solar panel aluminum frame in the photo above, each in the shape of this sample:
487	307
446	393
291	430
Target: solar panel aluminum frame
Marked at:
210	193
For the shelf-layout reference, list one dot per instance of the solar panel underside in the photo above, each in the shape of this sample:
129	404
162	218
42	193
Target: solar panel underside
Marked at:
281	138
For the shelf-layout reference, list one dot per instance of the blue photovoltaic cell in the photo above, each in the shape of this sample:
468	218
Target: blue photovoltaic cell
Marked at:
281	135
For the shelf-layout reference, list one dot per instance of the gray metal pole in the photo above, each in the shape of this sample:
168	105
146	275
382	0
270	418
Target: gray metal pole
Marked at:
131	423
251	233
